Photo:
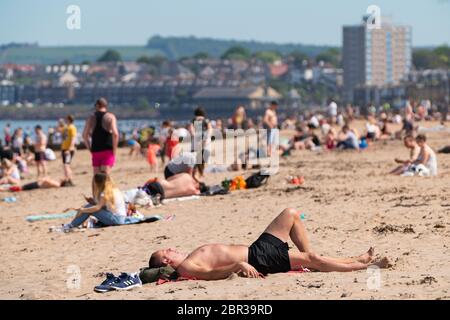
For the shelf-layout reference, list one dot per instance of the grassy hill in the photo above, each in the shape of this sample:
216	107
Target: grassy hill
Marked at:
171	47
75	54
177	47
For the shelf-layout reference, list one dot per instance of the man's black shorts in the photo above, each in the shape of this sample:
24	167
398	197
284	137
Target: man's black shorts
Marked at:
269	254
39	156
67	156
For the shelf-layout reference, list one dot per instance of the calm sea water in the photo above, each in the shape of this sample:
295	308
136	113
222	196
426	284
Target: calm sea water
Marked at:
126	126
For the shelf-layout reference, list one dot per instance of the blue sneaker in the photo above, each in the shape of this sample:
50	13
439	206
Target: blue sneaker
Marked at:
127	281
106	285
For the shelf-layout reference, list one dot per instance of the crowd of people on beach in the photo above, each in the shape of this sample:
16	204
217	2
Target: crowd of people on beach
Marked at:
184	169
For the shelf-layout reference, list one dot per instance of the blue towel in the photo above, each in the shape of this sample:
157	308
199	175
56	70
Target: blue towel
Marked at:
34	218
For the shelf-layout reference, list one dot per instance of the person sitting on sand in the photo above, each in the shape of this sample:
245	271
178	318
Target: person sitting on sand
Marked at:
426	162
42	183
268	254
330	139
373	132
180	185
414	148
107	204
347	139
10	173
385	132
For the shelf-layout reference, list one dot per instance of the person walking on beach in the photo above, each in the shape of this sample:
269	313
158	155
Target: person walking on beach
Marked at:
68	146
270	123
332	111
39	151
17	141
101	137
7	134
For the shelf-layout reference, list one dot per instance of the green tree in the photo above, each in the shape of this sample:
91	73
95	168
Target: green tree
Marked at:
442	54
110	56
201	55
237	53
143	59
156	61
267	56
424	59
143	104
331	56
297	58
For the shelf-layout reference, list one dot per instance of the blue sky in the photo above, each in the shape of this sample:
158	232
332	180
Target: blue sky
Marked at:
132	22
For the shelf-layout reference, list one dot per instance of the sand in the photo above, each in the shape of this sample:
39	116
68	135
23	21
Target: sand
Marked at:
349	201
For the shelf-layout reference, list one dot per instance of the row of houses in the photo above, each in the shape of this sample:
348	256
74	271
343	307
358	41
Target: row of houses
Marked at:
125	94
419	85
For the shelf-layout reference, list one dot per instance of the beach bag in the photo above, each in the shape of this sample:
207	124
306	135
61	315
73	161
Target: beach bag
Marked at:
49	155
149	275
256	180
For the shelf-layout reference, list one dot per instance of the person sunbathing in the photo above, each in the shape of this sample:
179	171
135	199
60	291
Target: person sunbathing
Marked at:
42	183
347	139
269	254
414	148
179	185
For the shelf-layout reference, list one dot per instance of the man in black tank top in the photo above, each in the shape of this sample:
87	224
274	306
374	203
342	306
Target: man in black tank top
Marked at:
101	137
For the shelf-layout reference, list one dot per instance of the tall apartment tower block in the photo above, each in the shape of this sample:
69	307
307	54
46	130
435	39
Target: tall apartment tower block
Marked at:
375	56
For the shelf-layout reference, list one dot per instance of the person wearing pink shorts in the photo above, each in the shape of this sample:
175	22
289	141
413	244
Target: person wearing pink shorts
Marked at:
101	137
103	159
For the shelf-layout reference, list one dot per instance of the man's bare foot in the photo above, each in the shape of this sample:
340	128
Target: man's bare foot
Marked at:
366	257
383	263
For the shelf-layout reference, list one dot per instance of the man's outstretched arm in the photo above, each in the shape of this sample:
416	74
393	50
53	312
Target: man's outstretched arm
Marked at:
189	269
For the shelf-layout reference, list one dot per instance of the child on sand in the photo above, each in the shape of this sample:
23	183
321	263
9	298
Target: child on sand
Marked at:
152	151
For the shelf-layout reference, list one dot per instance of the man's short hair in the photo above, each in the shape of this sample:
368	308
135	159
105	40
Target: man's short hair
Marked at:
155	261
70	118
38	127
408	137
421	137
274	103
102	102
200	112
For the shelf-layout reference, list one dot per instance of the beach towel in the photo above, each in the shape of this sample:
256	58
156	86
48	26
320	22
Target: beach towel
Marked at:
69	214
162	281
302	270
133	220
181	199
173	277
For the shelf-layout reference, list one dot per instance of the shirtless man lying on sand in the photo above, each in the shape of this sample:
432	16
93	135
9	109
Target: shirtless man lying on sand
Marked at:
269	254
180	185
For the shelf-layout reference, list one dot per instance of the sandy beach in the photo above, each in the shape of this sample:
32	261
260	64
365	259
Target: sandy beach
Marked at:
349	202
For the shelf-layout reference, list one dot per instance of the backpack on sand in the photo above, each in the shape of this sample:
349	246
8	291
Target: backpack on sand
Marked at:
256	180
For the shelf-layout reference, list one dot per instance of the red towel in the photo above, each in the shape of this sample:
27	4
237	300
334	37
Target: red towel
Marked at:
162	281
